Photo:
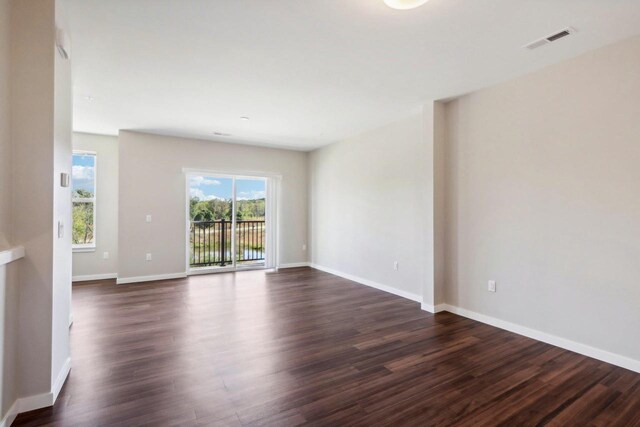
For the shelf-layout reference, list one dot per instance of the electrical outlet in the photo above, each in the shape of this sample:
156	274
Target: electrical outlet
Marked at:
492	286
395	265
304	247
105	255
148	257
148	218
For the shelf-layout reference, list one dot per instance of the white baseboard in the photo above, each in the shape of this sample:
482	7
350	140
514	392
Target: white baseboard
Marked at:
31	403
293	265
90	277
44	400
586	350
138	279
433	308
370	283
10	416
61	378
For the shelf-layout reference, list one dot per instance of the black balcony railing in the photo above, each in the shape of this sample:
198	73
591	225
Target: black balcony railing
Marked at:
211	242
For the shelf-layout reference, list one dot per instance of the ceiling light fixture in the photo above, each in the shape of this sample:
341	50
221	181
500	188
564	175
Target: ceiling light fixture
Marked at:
246	119
404	4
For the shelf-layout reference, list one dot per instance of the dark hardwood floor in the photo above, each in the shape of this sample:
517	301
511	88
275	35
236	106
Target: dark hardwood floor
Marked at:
305	347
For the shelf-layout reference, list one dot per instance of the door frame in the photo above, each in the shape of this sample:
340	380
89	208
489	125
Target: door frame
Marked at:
272	217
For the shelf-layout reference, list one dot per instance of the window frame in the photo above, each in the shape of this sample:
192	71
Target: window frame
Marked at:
86	247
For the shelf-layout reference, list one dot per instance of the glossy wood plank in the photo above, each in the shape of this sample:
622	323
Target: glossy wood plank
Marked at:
305	347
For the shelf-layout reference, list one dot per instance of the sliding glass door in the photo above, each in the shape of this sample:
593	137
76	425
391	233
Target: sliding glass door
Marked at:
227	226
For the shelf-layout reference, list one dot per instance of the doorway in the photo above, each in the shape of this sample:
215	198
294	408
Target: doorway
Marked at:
229	222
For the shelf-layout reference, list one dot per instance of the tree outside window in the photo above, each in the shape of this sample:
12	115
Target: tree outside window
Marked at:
84	200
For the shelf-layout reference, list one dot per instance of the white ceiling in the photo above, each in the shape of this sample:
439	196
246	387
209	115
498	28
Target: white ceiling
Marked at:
308	72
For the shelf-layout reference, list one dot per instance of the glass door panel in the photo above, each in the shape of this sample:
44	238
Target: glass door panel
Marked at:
211	225
250	221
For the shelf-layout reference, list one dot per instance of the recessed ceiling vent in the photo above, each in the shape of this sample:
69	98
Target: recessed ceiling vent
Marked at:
550	39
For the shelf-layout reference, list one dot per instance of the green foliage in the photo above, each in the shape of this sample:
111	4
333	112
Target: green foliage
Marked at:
206	239
82	194
216	209
82	214
250	209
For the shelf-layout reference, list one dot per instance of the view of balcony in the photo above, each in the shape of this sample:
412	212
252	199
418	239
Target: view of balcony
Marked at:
211	243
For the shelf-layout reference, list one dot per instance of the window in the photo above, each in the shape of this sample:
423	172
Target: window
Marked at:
84	200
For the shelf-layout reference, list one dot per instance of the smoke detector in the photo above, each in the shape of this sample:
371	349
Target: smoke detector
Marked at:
550	38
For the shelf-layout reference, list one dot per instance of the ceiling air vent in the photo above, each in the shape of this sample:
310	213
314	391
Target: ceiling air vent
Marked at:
550	39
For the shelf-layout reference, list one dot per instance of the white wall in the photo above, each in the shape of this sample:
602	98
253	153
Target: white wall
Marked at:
5	133
9	381
369	195
439	203
32	79
61	291
152	182
40	150
92	263
8	273
543	195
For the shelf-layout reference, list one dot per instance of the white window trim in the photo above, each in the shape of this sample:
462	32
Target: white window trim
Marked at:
88	247
84	248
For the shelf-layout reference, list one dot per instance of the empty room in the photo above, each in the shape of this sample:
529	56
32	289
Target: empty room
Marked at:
319	212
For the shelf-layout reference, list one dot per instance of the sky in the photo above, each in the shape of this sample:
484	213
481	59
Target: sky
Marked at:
83	172
208	188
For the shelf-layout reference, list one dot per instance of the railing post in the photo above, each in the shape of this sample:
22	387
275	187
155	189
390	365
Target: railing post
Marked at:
223	243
